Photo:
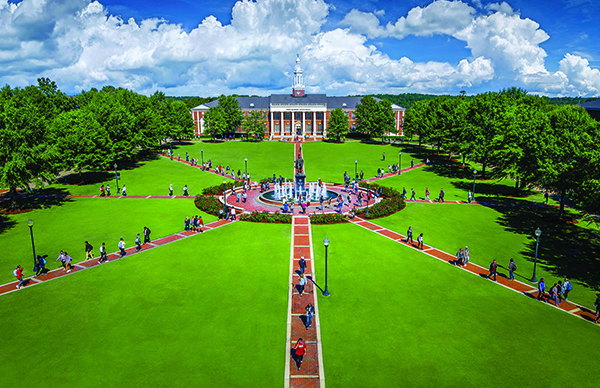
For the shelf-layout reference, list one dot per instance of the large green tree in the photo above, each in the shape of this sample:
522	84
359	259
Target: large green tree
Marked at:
374	118
338	123
231	112
215	124
254	124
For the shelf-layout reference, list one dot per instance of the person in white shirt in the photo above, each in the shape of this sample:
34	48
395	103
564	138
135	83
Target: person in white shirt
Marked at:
122	247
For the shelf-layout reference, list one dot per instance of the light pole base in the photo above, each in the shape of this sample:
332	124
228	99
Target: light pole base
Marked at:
533	279
326	292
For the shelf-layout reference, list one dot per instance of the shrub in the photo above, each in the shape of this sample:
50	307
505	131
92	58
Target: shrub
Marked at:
208	204
267	217
218	189
392	203
328	218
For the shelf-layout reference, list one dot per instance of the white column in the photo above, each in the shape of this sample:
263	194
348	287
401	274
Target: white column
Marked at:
272	128
325	123
303	123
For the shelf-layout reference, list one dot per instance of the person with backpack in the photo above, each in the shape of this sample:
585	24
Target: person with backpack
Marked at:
467	257
121	246
68	260
138	243
103	257
88	251
298	352
147	235
18	272
567	287
493	270
61	257
41	266
512	267
310	311
409	235
541	289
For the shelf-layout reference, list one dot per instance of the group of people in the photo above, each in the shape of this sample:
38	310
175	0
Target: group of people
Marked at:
195	224
105	191
409	238
299	349
557	293
186	191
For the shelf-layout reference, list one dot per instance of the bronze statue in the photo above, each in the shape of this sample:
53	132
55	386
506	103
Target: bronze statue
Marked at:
299	164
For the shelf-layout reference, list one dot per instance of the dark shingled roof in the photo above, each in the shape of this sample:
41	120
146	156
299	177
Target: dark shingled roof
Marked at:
592	105
259	103
338	102
306	99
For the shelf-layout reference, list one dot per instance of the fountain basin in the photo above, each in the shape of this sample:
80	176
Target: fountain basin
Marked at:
269	197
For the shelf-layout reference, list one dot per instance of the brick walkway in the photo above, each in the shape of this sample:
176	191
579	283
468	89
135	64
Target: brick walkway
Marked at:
502	279
78	267
310	373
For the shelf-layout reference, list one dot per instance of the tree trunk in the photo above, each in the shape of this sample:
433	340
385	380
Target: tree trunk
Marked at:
516	186
483	170
464	156
563	194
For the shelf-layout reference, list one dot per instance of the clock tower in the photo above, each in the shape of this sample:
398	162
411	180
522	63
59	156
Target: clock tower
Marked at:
298	86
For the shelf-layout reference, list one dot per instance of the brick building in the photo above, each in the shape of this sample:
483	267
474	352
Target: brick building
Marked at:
296	114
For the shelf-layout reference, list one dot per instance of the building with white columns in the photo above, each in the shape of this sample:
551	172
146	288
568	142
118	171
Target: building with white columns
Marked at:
296	114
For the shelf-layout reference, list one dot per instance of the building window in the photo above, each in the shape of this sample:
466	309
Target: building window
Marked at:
288	128
353	127
276	115
346	113
319	127
319	115
308	128
298	116
277	127
287	116
309	115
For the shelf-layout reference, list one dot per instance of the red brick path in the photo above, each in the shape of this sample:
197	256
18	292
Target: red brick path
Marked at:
310	373
77	267
515	285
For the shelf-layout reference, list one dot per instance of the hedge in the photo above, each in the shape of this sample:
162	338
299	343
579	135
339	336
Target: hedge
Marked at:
327	218
392	203
267	217
208	204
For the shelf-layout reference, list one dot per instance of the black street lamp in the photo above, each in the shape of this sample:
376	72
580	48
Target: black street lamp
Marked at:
246	162
326	243
356	169
368	192
474	177
117	177
202	154
171	150
400	163
30	224
538	233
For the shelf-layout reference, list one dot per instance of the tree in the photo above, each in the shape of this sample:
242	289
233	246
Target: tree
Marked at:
338	123
231	112
417	120
214	122
385	120
178	120
374	117
254	124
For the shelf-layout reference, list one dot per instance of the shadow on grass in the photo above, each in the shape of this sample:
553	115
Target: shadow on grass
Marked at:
565	249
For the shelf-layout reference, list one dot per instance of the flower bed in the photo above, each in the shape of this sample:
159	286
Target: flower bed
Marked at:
272	218
328	218
208	204
392	203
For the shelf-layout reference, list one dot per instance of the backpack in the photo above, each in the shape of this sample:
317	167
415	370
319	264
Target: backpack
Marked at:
42	261
514	267
15	273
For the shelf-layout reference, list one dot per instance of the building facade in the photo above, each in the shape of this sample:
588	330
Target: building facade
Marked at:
296	114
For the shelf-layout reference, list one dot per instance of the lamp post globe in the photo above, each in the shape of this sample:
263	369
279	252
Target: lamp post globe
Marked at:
356	169
326	243
538	233
246	164
30	224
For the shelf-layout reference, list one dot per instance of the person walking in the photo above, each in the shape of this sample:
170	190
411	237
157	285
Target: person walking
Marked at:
310	311
412	163
302	264
467	256
420	241
122	247
541	289
493	270
546	196
298	352
469	196
88	251
554	294
441	197
147	235
512	267
124	191
404	192
61	257
138	243
171	190
301	284
409	235
108	190
567	287
41	266
383	156
233	215
427	194
103	257
460	257
597	304
18	272
412	197
68	260
185	191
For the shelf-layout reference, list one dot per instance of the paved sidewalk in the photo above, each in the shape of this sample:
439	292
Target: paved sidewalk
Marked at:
83	265
515	285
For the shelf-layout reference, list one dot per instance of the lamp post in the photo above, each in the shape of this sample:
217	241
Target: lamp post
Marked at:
400	163
202	154
171	150
368	192
326	243
246	163
356	169
117	177
538	233
30	224
474	177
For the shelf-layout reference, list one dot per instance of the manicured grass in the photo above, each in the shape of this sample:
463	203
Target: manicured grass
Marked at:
397	317
96	220
147	177
264	158
328	161
503	233
209	310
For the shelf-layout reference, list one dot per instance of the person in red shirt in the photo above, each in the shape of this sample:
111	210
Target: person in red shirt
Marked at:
20	276
298	352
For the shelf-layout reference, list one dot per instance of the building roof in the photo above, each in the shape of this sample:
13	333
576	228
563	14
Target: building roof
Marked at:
246	103
306	99
592	105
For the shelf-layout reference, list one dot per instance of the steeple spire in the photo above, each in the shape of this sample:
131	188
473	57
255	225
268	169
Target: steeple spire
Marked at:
298	86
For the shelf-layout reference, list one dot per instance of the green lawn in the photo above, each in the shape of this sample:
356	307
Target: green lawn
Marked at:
410	320
96	220
264	158
503	233
197	312
146	177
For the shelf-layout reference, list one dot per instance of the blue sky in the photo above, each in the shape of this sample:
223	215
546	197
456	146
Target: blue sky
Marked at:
209	47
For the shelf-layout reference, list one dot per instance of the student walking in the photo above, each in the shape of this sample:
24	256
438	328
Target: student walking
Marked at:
41	265
301	284
420	241
122	247
88	251
493	270
541	289
185	191
61	257
310	311
68	260
467	256
298	352
147	232
171	190
597	304
554	294
409	235
427	194
567	287
460	257
124	191
441	197
138	242
412	197
470	196
103	257
18	272
512	267
302	264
